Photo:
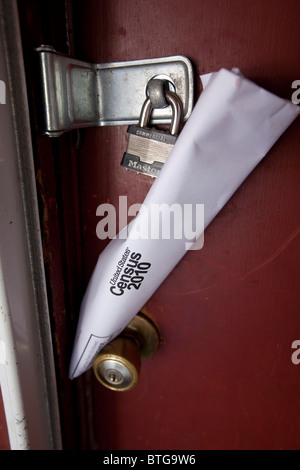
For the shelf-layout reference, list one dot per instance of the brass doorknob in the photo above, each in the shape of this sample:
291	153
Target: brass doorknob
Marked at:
117	367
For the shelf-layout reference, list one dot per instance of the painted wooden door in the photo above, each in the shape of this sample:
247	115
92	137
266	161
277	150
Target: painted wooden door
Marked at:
4	440
223	377
229	313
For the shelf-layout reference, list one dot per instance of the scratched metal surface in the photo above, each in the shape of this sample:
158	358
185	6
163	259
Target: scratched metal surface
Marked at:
228	313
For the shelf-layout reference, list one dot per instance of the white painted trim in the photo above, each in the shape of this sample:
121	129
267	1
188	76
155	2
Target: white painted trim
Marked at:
9	377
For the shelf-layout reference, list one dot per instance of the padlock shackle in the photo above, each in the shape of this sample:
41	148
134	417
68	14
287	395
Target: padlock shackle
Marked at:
176	105
145	113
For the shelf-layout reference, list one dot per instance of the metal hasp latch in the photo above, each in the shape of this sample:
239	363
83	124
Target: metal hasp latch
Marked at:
80	94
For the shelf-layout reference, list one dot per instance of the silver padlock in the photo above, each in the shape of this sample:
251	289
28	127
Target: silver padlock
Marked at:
148	148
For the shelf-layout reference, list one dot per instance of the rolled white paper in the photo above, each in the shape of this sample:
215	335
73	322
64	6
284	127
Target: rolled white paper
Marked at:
232	127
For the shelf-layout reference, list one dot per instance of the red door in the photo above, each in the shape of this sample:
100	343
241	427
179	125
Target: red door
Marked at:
4	440
223	377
